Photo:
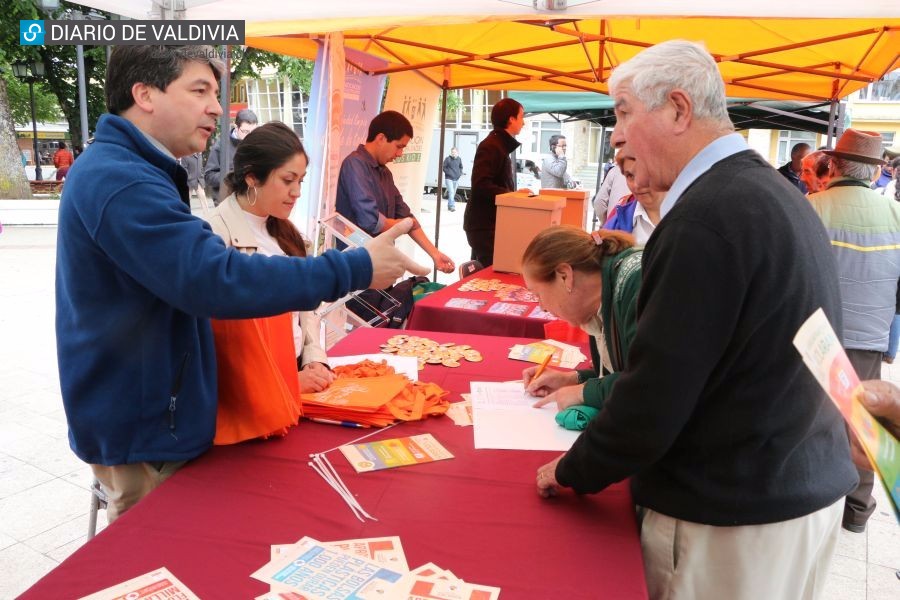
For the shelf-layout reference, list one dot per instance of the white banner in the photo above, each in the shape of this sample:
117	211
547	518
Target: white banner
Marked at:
417	99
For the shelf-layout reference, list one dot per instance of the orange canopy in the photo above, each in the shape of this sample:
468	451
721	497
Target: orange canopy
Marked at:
778	58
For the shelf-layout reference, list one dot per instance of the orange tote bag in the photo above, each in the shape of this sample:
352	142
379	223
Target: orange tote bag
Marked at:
259	394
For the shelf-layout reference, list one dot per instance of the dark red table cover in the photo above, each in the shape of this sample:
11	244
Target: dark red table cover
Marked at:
431	314
477	514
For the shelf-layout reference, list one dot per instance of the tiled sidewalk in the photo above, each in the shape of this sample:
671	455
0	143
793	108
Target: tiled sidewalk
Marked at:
44	489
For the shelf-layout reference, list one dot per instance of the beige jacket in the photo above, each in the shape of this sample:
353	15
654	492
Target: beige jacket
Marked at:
228	222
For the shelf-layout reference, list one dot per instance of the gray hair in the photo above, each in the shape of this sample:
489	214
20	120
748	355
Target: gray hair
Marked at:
854	170
676	64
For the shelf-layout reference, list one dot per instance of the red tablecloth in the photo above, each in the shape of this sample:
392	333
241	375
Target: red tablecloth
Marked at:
431	314
478	515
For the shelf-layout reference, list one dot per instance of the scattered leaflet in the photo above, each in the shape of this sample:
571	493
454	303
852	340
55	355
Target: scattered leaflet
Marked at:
825	358
465	303
565	356
461	413
150	586
430	582
395	452
506	308
538	313
386	551
318	572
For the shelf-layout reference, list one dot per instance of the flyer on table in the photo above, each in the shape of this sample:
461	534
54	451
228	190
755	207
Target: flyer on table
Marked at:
318	572
149	586
825	357
396	452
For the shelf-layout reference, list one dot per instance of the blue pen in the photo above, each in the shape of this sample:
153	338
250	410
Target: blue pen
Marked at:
333	422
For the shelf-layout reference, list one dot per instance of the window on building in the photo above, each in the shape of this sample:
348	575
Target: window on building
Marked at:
595	143
267	99
789	139
887	138
886	89
541	131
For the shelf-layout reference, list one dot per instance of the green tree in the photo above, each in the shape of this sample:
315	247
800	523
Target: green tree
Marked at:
46	108
60	68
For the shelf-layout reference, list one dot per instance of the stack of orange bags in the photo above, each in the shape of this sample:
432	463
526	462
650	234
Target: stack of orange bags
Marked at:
374	395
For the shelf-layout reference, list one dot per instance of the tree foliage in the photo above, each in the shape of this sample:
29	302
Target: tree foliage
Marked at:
60	68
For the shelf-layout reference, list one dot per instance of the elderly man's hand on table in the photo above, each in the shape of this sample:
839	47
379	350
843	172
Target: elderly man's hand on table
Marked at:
547	485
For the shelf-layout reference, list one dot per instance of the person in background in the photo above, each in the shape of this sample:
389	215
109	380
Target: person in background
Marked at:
245	121
366	193
492	174
886	176
193	164
62	160
814	171
742	475
138	277
453	170
571	271
791	170
613	189
553	167
864	227
638	213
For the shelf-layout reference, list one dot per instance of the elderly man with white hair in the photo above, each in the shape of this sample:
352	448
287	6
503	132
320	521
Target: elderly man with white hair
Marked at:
864	227
737	458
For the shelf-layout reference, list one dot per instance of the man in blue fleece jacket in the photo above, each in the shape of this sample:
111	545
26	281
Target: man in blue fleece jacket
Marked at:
138	277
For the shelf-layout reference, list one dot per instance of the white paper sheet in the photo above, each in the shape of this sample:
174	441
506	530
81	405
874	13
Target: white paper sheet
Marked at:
404	365
505	418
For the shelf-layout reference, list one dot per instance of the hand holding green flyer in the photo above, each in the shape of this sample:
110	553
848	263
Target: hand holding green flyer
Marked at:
825	357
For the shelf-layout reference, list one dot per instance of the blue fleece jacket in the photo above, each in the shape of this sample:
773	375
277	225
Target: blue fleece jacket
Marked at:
137	277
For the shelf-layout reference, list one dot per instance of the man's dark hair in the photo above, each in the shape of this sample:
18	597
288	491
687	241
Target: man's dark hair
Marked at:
503	111
245	115
798	148
554	141
152	65
62	145
392	124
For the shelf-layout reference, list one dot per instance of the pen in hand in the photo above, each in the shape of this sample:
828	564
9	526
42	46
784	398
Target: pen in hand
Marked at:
543	366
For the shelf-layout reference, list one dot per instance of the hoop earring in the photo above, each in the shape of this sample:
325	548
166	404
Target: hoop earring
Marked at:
255	196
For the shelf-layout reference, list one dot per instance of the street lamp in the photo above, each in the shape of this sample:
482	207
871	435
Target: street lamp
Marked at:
31	72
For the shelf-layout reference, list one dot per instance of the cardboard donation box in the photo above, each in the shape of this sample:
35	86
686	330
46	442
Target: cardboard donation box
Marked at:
575	212
520	217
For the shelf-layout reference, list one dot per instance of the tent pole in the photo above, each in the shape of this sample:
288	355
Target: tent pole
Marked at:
831	117
225	120
440	171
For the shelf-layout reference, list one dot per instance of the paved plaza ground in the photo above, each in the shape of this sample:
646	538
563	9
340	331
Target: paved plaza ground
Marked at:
44	489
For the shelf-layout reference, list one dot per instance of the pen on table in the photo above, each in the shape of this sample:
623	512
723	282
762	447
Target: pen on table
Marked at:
543	366
333	422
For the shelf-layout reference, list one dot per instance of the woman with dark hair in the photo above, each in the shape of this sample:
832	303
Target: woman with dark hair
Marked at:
571	272
264	186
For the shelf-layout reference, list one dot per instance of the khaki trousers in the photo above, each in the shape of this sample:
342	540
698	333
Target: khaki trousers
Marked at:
125	485
787	560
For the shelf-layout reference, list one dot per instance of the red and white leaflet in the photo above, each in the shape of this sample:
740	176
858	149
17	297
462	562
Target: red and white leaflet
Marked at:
155	584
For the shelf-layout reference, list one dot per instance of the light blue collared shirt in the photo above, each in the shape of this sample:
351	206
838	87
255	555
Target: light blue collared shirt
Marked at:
722	147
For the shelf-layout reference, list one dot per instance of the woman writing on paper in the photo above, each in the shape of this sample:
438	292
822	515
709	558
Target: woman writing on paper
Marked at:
571	272
259	382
